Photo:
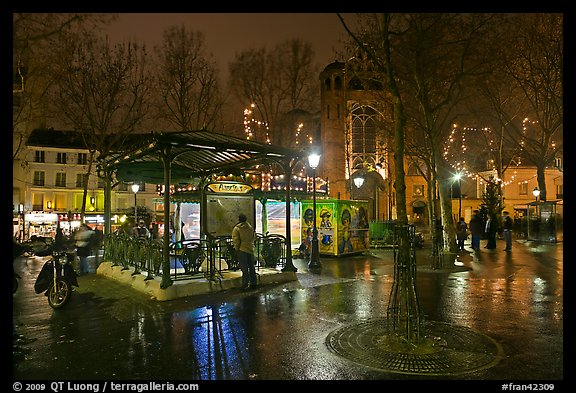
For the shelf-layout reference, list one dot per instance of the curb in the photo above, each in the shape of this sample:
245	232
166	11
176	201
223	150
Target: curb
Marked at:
190	287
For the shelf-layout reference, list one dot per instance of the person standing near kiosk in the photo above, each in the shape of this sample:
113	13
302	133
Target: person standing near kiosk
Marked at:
243	240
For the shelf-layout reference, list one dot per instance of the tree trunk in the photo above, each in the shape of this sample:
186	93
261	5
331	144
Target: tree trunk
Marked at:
540	175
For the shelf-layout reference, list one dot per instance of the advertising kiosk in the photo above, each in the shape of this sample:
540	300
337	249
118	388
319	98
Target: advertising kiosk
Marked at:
343	227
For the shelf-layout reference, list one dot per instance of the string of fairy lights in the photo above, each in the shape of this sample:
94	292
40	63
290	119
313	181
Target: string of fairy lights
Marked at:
264	181
253	127
259	130
455	150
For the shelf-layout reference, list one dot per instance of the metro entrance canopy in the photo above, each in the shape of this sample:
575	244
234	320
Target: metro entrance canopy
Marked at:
191	154
178	157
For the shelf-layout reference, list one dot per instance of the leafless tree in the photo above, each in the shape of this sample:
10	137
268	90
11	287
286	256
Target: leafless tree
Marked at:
187	85
100	90
277	82
516	107
378	45
536	65
436	56
33	36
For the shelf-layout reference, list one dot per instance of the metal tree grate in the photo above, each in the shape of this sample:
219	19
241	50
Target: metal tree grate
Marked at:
444	350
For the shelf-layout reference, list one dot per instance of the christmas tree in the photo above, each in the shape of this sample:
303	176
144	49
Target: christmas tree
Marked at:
491	205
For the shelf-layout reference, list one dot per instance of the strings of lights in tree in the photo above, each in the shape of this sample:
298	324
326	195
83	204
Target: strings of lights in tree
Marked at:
300	182
455	150
253	127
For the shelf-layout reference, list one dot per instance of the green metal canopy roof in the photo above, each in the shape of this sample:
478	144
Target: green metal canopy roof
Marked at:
192	154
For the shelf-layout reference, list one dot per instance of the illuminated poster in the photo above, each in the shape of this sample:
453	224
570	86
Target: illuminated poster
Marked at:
342	225
353	227
325	214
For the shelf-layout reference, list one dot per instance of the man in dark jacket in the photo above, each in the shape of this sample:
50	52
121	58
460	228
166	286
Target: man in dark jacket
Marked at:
507	230
491	230
243	240
476	229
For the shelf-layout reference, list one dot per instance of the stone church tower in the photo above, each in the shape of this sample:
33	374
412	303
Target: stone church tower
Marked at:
355	121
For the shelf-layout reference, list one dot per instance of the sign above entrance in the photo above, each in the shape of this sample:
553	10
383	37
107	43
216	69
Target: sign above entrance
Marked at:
229	187
41	217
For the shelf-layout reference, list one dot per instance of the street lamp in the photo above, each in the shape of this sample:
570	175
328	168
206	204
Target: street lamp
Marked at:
458	176
536	193
313	161
135	189
358	181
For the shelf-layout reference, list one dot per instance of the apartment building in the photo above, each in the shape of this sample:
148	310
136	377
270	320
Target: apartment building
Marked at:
49	182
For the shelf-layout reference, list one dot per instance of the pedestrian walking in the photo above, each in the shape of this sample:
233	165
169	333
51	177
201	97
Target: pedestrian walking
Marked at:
243	240
476	230
83	239
491	229
141	231
461	233
507	230
154	230
59	240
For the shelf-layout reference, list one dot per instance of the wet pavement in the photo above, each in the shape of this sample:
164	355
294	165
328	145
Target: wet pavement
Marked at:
109	331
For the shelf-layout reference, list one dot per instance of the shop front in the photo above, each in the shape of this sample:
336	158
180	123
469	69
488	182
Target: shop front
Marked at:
69	222
40	224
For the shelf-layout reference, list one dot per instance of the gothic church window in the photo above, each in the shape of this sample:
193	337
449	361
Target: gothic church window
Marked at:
363	131
337	83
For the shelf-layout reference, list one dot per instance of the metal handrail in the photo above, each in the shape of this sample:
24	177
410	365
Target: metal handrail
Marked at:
190	258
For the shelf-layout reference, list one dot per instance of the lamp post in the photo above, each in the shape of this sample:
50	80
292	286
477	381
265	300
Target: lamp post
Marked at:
458	176
536	193
313	161
358	181
21	214
135	189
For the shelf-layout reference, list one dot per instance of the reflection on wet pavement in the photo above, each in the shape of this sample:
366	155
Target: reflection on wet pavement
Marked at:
109	331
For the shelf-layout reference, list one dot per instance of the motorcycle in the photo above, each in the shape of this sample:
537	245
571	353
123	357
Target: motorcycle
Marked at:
40	246
57	278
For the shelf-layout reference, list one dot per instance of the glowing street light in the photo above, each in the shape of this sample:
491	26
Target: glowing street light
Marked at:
135	189
536	193
458	177
313	161
358	181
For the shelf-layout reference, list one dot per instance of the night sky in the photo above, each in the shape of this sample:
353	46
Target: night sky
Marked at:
229	33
